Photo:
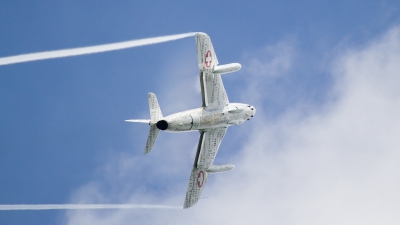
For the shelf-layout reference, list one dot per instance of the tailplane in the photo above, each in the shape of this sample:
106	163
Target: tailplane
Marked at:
155	116
155	111
151	138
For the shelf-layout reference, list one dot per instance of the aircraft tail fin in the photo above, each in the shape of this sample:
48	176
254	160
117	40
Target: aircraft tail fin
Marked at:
155	111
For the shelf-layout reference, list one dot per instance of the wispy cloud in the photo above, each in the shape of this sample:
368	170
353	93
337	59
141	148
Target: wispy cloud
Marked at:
262	68
272	60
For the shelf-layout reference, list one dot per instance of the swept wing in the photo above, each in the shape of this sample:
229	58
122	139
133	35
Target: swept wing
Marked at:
212	88
207	149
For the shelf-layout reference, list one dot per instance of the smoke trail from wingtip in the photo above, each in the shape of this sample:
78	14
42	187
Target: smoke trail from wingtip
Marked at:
90	49
83	206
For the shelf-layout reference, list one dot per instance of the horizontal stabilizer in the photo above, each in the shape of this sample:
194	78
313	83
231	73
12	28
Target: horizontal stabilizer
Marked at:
151	139
138	121
155	111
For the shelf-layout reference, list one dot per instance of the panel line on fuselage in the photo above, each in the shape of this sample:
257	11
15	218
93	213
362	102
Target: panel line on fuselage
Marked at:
192	122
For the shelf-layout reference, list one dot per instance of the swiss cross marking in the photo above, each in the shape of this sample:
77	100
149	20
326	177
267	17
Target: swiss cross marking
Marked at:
200	179
208	59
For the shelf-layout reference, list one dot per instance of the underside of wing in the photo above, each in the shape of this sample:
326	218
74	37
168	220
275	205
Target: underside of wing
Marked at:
197	181
207	149
206	57
212	88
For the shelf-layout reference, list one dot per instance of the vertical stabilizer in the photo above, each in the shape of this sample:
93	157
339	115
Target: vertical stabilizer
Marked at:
155	111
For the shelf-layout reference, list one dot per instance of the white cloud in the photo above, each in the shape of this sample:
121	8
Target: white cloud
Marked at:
272	60
340	164
260	71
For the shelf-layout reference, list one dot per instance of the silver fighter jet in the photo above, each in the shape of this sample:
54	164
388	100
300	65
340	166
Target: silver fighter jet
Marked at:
211	120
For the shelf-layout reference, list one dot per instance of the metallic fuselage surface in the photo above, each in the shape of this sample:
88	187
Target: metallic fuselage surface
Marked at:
209	117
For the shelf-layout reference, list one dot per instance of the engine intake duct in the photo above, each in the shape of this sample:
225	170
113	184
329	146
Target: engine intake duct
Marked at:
162	125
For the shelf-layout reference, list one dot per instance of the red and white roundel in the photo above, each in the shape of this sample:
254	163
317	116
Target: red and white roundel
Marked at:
200	178
208	59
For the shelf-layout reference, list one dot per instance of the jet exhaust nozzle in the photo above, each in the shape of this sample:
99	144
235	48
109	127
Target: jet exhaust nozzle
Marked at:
162	125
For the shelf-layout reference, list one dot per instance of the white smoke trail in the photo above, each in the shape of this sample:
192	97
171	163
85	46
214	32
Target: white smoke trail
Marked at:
90	49
84	206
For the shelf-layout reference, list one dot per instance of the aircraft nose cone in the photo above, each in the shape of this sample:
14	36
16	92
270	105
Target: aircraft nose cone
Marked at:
250	111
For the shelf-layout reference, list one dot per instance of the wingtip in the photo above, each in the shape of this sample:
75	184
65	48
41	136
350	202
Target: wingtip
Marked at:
201	33
186	206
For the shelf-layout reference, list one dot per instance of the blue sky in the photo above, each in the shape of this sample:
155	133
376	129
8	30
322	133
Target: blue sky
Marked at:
308	67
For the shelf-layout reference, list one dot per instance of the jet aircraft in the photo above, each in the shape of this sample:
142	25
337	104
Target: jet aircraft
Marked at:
212	119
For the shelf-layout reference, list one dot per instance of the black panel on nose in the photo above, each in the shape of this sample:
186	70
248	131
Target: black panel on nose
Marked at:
162	125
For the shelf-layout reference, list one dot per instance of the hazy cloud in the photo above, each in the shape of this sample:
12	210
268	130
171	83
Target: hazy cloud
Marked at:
272	60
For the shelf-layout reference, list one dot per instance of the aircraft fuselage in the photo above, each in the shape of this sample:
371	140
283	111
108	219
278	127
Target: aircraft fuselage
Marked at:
207	117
